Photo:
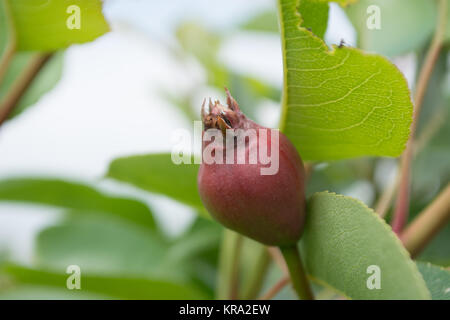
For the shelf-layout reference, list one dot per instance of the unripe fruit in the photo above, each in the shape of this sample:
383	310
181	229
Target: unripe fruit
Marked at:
267	208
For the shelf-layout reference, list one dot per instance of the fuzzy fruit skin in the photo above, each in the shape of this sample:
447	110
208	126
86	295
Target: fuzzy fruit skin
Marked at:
267	208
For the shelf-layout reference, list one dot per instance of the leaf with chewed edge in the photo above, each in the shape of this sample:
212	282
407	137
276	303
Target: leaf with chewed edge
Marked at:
339	103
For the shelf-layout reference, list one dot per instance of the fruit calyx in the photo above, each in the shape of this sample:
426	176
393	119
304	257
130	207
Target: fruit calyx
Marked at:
223	117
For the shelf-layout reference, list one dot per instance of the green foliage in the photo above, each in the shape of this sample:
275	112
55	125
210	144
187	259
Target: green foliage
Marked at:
7	34
102	247
343	237
70	195
265	21
114	287
447	30
157	173
43	25
402	30
437	279
340	103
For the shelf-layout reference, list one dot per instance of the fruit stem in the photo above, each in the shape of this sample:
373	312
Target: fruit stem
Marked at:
297	272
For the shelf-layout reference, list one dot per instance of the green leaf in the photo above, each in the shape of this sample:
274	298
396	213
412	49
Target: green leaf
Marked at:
203	237
76	196
43	24
314	13
437	251
102	246
343	237
37	292
200	42
7	36
157	173
398	33
340	103
437	279
196	252
265	21
117	287
447	30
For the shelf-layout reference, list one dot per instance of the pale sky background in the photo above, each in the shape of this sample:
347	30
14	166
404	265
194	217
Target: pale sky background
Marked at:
107	103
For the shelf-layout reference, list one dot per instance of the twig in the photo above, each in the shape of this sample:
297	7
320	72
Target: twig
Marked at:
272	292
433	125
402	203
309	168
277	257
428	223
385	200
19	87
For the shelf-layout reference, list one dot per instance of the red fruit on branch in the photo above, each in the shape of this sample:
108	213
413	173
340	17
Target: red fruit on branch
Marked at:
259	199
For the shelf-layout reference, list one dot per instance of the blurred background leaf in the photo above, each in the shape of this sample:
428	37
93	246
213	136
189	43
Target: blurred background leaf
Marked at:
265	21
406	25
437	279
71	195
7	36
157	173
101	246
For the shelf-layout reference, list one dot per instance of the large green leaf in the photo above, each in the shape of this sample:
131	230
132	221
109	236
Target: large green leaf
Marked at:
340	103
157	173
43	24
77	196
398	33
437	279
116	287
343	237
